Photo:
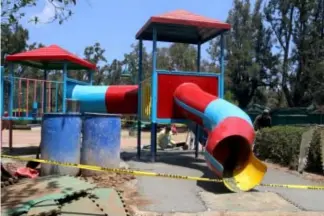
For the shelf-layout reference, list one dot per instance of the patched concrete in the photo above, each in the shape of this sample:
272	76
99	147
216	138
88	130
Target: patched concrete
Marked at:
171	195
253	201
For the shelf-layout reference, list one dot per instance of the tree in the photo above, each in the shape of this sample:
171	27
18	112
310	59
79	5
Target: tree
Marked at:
308	55
115	73
13	40
183	57
298	27
265	59
164	60
316	54
131	59
95	54
279	14
13	10
250	62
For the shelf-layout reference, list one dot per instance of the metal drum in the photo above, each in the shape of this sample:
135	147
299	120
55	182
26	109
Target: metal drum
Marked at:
61	141
101	141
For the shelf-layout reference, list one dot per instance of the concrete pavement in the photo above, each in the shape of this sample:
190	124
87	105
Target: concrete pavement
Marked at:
171	195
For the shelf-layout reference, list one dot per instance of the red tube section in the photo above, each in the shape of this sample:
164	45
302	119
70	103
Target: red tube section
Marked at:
230	136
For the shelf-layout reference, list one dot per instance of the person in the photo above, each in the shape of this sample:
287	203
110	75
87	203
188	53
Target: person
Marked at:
164	140
263	120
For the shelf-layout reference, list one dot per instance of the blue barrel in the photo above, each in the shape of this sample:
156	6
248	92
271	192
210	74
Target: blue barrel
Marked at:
101	140
61	141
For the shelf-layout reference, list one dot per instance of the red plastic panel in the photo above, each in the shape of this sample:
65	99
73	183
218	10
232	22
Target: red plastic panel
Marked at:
167	84
122	99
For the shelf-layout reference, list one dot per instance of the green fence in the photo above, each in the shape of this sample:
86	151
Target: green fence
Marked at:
293	119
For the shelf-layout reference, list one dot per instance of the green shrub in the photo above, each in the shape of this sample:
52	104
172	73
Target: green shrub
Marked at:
280	145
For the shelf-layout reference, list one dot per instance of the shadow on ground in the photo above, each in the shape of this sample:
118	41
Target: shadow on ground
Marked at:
28	189
182	159
20	151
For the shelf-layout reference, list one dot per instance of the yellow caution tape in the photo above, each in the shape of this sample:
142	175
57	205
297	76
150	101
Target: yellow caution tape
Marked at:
115	170
145	173
305	187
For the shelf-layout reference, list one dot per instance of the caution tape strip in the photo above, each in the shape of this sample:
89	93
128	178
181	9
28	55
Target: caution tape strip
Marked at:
114	170
152	174
305	187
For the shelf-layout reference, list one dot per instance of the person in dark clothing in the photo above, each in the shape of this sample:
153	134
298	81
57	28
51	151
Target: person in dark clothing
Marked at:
263	120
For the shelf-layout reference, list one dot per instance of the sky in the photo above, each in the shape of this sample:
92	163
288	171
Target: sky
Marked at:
113	23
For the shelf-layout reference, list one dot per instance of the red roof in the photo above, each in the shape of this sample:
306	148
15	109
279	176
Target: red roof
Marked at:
174	25
51	57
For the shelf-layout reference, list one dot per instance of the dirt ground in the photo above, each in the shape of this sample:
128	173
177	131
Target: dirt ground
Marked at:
31	138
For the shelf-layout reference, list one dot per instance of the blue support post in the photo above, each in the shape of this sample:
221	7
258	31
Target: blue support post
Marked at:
154	98
90	75
139	98
198	56
44	91
197	126
64	87
12	88
222	66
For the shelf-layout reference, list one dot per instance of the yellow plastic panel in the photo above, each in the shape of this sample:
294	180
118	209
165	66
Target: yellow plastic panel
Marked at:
146	100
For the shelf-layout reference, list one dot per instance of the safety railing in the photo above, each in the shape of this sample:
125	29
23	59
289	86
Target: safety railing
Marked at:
29	99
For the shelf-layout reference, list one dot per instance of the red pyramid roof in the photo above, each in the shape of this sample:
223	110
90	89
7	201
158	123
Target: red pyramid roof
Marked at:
48	56
186	20
183	16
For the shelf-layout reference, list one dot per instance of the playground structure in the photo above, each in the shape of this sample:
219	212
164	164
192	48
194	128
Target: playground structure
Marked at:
166	97
28	99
